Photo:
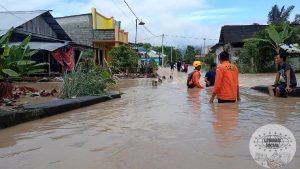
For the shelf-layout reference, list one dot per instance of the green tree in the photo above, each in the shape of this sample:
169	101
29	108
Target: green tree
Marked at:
190	53
278	16
124	58
275	37
176	54
297	19
147	46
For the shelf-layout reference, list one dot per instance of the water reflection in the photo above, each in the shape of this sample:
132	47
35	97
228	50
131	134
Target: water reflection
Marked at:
169	124
193	97
226	122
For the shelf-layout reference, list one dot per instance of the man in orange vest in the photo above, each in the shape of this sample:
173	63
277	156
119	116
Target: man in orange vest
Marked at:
226	86
194	77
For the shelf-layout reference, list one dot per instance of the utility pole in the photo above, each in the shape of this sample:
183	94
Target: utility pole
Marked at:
204	46
135	33
162	49
171	54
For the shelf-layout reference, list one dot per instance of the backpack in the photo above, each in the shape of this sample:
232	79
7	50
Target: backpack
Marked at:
190	76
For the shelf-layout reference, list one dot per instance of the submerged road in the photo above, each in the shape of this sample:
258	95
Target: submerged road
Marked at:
164	127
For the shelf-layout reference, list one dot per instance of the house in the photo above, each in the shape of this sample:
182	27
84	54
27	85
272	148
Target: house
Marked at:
95	30
232	39
151	55
53	44
232	36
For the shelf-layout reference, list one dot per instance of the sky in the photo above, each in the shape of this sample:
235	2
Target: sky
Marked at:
184	22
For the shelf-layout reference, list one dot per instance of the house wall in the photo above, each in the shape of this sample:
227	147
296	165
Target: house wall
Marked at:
218	51
38	26
101	23
79	28
104	34
295	62
232	52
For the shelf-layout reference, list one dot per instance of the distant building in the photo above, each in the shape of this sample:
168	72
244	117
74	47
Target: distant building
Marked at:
232	39
48	37
232	36
145	58
95	30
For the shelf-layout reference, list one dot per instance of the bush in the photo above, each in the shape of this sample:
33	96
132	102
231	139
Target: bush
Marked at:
85	83
152	64
124	58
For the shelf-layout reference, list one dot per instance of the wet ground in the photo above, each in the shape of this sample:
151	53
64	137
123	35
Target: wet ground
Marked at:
164	127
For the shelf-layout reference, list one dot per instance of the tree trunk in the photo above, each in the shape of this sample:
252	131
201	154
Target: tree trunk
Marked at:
6	90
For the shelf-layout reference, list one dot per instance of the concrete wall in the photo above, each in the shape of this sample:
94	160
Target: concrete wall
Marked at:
108	34
79	28
232	52
295	62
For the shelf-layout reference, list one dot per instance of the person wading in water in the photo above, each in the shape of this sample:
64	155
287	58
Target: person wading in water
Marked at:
194	77
226	86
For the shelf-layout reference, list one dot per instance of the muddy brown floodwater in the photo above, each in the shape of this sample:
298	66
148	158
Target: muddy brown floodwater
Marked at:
164	127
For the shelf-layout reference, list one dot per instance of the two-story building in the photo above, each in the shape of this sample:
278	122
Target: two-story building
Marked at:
95	30
47	36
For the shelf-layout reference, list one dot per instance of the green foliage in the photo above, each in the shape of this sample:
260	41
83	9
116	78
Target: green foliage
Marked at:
85	83
279	16
257	55
124	58
176	54
207	61
258	52
277	36
190	53
152	64
16	61
88	54
147	46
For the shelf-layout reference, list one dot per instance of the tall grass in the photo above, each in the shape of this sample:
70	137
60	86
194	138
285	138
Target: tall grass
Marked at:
81	82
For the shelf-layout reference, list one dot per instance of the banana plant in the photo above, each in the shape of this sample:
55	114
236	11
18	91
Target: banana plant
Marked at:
275	38
298	47
4	68
16	60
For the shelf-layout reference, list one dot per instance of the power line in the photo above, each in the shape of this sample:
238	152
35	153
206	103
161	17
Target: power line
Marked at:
138	18
124	13
12	13
151	37
149	30
190	37
132	11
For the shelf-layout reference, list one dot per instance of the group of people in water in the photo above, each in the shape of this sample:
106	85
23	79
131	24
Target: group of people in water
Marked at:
225	81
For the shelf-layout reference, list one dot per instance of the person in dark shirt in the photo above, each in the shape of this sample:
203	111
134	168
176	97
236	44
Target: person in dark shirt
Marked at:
285	81
178	66
172	66
210	75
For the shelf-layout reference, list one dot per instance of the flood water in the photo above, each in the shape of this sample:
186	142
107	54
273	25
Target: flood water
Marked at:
164	127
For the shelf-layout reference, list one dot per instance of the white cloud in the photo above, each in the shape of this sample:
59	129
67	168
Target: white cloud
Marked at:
180	17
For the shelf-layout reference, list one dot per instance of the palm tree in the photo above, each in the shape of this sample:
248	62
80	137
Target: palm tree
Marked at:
278	16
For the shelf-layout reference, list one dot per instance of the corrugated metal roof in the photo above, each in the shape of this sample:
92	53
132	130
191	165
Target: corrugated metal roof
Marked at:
16	18
49	46
291	48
